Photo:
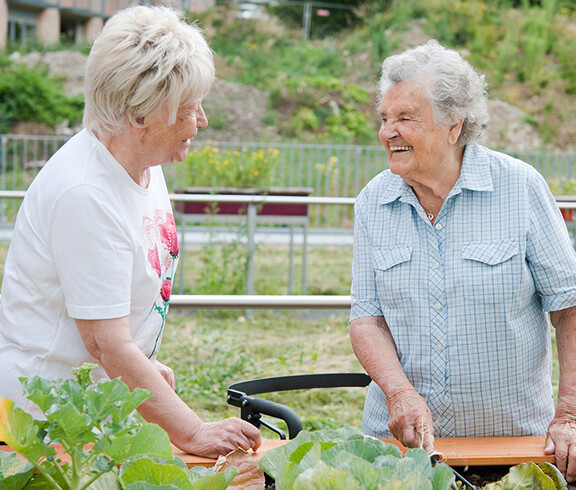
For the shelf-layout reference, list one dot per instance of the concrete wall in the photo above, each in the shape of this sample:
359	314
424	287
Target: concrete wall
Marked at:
48	30
48	24
3	23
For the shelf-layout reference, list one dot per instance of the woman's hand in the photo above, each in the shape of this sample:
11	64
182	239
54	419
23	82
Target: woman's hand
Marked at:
213	439
561	439
411	420
166	373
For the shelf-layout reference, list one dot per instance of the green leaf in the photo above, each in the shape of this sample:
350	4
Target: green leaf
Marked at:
69	425
421	461
23	434
413	480
523	476
554	474
43	392
140	485
324	477
272	461
148	440
368	449
112	398
442	477
14	472
365	473
207	479
147	470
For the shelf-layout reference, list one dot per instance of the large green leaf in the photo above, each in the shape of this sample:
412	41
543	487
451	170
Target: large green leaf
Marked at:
273	460
368	449
141	485
14	472
155	472
148	440
421	461
207	479
412	481
43	392
23	434
112	398
69	425
554	474
523	476
442	477
365	473
325	477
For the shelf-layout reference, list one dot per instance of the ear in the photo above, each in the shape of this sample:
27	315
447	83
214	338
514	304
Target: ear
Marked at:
454	132
136	126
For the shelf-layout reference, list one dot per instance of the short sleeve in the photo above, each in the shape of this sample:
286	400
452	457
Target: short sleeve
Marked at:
92	254
364	295
550	253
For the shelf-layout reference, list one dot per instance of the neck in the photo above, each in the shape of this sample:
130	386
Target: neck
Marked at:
433	189
125	149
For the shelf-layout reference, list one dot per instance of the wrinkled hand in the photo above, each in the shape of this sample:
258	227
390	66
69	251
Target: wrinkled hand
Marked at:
213	439
166	373
411	420
561	439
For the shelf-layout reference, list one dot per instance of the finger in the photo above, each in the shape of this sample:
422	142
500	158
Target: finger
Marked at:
571	464
561	456
549	447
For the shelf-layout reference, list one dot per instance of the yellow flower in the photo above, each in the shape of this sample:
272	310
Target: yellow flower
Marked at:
5	408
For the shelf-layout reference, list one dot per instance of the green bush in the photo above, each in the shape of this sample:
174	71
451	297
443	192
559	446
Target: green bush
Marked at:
32	95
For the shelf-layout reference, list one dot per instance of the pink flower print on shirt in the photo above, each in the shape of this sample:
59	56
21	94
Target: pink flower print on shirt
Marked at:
167	230
166	290
154	259
161	240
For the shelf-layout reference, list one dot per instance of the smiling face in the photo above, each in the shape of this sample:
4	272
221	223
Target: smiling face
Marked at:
417	146
167	144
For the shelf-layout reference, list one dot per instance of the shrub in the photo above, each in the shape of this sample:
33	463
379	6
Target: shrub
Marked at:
32	95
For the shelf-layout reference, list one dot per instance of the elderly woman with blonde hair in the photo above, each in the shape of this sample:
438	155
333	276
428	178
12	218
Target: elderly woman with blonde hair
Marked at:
459	254
89	272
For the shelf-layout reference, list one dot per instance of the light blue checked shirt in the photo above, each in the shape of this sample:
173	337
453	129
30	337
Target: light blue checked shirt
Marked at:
465	298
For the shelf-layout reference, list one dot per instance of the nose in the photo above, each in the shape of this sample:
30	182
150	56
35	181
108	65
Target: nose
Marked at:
201	118
387	131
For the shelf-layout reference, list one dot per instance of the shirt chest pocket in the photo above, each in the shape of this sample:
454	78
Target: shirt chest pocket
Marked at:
392	273
491	271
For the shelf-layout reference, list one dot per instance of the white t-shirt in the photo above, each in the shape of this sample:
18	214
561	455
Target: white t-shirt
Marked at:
88	243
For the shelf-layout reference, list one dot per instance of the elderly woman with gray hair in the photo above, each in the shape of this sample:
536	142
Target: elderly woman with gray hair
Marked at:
89	272
459	253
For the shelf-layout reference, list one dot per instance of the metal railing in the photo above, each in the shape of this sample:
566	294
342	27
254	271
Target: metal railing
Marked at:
331	170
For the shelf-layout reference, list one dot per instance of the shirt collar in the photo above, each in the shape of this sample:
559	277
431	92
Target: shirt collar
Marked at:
475	176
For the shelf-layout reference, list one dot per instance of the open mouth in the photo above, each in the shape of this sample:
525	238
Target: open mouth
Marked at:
400	148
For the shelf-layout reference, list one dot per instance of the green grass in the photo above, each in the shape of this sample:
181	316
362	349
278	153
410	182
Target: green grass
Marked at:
211	349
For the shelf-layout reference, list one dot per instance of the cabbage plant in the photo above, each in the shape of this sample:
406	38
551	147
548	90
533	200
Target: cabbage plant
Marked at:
348	460
107	443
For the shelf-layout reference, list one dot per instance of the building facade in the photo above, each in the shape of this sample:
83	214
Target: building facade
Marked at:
51	21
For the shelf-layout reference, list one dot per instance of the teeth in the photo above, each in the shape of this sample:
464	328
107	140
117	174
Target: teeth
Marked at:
400	148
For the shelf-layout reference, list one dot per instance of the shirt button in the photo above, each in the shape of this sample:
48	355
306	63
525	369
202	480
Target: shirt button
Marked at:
436	265
438	226
440	389
439	347
438	306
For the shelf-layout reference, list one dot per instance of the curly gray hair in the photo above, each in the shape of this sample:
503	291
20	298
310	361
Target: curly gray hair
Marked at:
455	90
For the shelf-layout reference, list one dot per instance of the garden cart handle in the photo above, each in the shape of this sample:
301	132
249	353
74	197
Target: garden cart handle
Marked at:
251	409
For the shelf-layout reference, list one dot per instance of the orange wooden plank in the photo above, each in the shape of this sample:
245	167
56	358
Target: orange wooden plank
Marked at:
458	451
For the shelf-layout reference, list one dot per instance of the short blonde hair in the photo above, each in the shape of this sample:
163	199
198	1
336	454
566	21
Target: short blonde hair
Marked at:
146	59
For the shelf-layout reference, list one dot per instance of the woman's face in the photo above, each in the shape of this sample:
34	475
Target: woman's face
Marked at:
416	144
165	144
